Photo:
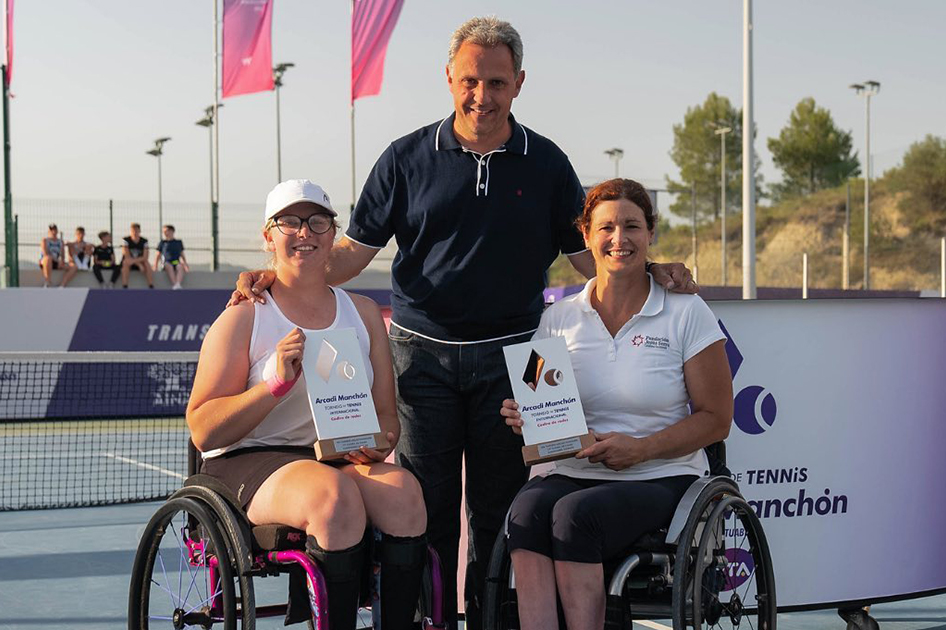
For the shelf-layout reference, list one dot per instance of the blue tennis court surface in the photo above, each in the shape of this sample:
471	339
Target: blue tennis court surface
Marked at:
70	568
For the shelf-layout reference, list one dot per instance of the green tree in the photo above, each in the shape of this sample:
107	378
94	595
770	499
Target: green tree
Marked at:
812	152
923	178
696	152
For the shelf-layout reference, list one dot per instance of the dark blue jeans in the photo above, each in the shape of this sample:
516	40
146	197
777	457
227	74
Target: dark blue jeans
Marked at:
448	399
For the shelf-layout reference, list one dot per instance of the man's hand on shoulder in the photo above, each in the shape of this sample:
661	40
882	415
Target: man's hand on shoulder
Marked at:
251	285
674	277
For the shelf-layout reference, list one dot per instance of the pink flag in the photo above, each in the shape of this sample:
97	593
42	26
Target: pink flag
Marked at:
8	38
372	23
247	46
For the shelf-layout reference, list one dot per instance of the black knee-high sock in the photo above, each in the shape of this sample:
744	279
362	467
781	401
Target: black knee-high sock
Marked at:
402	568
342	572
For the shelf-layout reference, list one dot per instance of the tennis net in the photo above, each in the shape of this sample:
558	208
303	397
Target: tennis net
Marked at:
92	428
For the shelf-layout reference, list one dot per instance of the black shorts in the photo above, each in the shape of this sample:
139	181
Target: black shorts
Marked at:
244	470
591	520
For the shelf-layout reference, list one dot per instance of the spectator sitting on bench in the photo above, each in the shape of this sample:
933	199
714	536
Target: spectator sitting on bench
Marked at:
80	255
104	256
135	256
53	256
172	250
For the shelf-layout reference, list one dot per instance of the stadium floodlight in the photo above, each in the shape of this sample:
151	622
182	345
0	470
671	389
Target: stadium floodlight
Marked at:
208	122
721	131
278	72
615	154
866	89
157	152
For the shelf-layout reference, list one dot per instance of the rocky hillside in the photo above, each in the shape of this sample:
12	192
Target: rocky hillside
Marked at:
905	253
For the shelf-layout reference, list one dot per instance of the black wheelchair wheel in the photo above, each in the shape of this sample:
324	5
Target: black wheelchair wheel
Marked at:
183	575
500	608
723	575
733	576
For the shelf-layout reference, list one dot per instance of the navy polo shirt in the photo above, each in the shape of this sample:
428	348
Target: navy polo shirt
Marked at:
476	233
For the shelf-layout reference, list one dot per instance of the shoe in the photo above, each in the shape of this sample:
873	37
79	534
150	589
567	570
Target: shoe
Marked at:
110	285
45	285
177	287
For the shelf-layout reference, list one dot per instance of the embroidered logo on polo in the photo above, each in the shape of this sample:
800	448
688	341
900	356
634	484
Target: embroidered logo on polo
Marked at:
326	361
534	372
648	341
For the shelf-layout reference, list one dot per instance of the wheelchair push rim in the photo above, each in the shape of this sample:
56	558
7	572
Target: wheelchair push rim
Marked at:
177	581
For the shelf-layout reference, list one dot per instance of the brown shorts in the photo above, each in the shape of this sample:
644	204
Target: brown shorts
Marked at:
244	470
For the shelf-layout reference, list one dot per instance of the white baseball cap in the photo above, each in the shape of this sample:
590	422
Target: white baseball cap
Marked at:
293	191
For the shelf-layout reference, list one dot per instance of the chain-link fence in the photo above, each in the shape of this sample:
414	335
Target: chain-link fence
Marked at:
240	226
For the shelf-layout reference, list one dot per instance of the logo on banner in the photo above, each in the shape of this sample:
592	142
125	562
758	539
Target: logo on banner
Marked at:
754	410
739	567
534	369
326	362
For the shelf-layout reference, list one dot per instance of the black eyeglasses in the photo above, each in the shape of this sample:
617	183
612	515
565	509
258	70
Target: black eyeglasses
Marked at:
290	224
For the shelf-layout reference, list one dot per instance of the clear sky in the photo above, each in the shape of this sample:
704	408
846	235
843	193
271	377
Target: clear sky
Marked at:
95	81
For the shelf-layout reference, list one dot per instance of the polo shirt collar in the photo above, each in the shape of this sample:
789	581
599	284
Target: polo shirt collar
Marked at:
652	306
445	139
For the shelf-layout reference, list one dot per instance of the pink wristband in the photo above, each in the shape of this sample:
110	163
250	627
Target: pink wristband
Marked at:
279	387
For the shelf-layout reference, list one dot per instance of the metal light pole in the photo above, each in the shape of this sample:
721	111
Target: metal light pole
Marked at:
866	89
615	154
157	152
721	132
208	122
278	71
10	235
748	157
845	242
696	265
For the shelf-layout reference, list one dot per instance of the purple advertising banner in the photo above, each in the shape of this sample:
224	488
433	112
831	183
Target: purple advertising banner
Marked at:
147	320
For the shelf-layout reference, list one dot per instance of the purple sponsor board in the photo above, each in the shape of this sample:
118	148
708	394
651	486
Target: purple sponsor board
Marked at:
121	390
141	319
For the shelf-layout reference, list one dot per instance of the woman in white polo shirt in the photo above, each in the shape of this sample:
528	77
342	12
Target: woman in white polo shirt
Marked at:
640	355
251	419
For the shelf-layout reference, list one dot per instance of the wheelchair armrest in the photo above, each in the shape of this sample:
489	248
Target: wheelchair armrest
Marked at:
688	501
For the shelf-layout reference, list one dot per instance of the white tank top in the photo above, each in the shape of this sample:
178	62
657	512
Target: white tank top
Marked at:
290	422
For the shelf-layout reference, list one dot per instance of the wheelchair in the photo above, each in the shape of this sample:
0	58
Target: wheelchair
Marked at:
199	555
710	568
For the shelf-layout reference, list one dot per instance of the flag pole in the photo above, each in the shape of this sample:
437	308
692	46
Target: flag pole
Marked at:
215	187
352	105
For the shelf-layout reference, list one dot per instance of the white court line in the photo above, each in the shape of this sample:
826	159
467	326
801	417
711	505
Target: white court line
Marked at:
135	462
652	624
59	455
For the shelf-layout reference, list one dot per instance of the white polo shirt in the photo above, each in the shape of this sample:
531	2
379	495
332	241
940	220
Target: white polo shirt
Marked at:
633	382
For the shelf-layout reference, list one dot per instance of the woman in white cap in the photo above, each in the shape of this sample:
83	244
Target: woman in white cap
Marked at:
252	422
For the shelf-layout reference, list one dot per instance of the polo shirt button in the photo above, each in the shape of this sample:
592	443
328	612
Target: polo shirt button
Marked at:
482	186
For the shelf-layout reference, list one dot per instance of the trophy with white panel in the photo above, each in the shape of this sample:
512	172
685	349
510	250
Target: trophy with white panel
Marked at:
339	395
543	383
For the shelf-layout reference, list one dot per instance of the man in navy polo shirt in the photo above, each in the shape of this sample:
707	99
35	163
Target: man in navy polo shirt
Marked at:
480	206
